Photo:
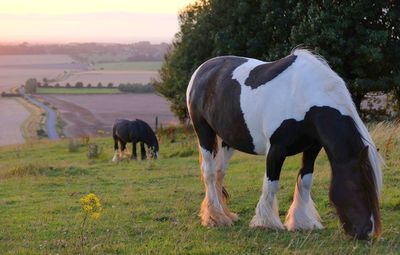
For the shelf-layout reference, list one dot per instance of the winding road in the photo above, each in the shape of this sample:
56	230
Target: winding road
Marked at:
51	120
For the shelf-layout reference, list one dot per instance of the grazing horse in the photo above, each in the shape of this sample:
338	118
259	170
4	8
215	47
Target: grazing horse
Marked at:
126	131
278	109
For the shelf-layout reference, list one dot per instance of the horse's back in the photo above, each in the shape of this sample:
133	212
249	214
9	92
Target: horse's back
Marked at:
121	129
245	100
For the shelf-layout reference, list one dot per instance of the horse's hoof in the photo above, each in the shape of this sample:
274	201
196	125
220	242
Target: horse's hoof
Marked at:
262	223
215	219
233	216
221	221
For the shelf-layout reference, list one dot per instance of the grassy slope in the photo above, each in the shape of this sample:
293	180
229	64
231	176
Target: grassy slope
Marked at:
76	91
152	206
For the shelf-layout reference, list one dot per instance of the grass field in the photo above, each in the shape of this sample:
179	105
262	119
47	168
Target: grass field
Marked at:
77	91
137	66
151	207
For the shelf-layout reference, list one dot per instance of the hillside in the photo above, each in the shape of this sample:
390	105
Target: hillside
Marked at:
151	207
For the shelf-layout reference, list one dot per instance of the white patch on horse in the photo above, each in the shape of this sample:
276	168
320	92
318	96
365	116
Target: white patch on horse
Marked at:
302	213
370	234
222	158
267	106
267	214
115	158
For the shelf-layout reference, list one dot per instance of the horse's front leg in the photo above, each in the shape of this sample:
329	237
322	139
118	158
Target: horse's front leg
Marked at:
267	214
302	213
134	154
142	151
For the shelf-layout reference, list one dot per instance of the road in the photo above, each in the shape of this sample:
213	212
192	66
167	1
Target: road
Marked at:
51	120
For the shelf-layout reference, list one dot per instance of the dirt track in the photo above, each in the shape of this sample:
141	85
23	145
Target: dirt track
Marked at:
95	114
12	115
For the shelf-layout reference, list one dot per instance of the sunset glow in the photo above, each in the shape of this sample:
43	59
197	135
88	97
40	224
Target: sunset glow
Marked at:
89	20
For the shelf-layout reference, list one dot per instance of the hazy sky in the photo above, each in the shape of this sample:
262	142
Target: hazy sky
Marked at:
89	20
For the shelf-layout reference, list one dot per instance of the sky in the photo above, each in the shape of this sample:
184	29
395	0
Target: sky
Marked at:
109	21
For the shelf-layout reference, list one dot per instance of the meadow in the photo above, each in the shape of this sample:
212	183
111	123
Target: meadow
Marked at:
151	207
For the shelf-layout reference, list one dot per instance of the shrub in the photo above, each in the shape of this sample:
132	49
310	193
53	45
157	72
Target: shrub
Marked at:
136	88
73	145
94	151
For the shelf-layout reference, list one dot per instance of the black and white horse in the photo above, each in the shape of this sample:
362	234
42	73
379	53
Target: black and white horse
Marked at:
277	109
136	131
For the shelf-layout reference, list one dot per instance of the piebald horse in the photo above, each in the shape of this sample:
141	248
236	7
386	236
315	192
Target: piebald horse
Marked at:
278	109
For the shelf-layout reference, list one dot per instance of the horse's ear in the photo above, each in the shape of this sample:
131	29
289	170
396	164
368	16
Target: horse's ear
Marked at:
363	155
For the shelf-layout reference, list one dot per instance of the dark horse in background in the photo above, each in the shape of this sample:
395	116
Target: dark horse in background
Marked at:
136	131
297	104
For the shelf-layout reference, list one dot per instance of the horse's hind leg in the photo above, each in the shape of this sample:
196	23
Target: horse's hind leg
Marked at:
267	214
222	158
212	211
123	148
302	213
115	158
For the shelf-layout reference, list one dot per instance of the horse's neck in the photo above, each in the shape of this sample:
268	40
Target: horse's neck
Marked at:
337	134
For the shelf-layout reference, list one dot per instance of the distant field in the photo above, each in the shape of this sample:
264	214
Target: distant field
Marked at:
16	69
137	66
108	76
78	91
91	114
6	60
12	116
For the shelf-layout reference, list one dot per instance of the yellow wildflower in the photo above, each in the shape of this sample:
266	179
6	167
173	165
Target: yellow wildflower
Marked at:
91	205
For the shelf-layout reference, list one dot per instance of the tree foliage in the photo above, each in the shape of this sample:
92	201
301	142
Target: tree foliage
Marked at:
31	86
360	40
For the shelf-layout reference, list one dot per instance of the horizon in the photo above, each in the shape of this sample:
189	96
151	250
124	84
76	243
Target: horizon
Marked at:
99	21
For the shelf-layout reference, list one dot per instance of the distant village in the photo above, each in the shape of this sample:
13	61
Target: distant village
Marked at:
92	52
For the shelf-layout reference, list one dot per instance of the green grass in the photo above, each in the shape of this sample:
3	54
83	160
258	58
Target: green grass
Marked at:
76	91
151	207
130	66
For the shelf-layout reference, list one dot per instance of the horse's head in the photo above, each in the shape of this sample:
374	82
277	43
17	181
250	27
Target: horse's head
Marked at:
355	198
153	151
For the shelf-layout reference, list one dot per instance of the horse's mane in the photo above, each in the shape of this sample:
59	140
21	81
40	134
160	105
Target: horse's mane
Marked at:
375	158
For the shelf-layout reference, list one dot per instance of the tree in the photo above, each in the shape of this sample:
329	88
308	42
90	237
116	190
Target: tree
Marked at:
79	84
31	86
360	40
